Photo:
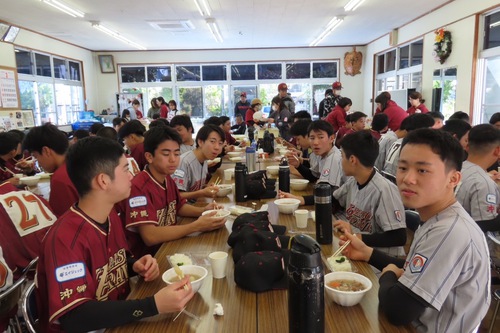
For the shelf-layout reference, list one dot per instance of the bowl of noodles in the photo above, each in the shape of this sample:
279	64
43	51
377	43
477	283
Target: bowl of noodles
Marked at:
197	275
346	288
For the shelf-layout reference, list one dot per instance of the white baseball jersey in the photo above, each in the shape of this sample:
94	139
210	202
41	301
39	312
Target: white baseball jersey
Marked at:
478	193
328	168
449	267
191	175
384	145
392	157
375	207
185	148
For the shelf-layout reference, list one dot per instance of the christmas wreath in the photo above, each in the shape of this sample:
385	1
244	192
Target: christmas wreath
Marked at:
442	45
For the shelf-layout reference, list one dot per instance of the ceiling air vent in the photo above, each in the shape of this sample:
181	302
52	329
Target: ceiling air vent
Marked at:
172	25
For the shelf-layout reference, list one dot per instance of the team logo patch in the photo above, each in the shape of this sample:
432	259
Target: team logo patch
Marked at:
417	263
70	272
397	214
179	173
491	198
326	172
137	201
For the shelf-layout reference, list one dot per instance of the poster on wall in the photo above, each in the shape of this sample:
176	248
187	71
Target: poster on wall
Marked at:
8	89
16	119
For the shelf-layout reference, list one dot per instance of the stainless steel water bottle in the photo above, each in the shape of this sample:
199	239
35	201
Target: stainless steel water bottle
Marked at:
323	209
284	176
306	303
240	174
250	159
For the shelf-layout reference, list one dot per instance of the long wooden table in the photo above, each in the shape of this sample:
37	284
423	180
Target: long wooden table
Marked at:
246	311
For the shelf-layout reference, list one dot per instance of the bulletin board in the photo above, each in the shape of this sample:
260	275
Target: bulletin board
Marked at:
16	119
9	90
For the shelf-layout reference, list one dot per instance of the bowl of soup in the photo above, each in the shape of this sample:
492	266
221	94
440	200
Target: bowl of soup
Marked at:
298	184
224	190
346	288
287	205
234	154
197	275
218	212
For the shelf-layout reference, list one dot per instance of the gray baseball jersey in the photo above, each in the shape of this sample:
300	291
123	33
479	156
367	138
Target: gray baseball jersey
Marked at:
328	168
448	266
185	148
478	193
191	175
392	157
375	207
384	144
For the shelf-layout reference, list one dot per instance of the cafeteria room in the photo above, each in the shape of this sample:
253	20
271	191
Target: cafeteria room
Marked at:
250	166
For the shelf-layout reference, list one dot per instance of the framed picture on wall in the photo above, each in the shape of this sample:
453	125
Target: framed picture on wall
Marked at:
107	64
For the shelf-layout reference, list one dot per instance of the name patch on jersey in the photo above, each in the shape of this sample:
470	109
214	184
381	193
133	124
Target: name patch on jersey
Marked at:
417	263
70	272
491	198
179	173
137	201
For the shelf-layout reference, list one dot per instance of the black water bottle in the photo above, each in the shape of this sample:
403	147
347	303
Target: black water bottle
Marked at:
306	303
323	209
240	174
284	176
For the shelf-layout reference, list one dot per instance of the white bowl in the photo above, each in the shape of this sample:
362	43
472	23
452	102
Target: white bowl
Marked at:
220	212
273	170
30	181
287	205
19	175
223	190
238	149
283	151
234	153
239	136
236	159
346	298
201	272
215	160
298	184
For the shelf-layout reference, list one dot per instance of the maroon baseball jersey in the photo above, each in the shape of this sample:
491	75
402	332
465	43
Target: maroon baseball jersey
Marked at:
81	261
63	193
25	218
150	203
138	154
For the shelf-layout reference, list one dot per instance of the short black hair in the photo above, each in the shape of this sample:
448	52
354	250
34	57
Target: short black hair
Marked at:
118	121
205	131
156	116
19	133
436	114
495	118
460	115
483	138
361	144
95	127
132	127
108	132
456	127
157	135
47	135
212	121
173	102
441	143
89	157
419	120
81	133
348	118
159	122
320	125
303	114
344	101
300	127
182	120
239	116
328	91
380	121
224	119
8	142
355	116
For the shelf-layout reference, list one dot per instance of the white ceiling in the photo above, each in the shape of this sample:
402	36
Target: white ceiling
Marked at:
243	23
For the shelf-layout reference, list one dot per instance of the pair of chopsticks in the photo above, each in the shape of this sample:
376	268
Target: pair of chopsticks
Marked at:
217	181
339	251
180	274
186	312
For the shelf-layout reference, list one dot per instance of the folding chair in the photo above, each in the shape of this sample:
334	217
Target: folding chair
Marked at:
8	302
496	296
29	308
388	176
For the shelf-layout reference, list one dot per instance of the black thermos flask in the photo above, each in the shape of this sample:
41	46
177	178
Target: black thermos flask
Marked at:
240	174
284	176
323	209
306	303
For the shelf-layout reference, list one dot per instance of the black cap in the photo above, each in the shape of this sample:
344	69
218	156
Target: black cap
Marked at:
262	271
251	240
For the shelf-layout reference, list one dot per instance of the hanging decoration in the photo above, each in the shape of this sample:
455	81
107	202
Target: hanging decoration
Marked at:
442	45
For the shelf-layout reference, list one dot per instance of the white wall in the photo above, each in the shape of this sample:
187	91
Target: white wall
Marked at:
459	18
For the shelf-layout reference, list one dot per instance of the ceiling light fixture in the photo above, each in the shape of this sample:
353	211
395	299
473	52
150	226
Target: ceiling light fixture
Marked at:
352	5
495	24
203	7
64	8
214	29
117	36
334	23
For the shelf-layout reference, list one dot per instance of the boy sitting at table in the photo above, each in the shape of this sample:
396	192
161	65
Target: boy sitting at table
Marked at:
183	125
48	145
132	135
299	132
444	283
150	212
9	148
191	175
83	272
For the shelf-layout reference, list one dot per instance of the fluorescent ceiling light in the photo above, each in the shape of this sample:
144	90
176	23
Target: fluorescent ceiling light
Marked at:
352	5
64	8
334	23
203	7
495	24
117	36
214	29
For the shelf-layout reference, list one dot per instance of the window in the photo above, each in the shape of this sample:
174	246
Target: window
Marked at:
390	61
298	70
269	71
416	53
214	73
42	63
492	31
404	56
133	74
23	61
60	71
188	73
325	69
190	101
159	73
74	71
242	72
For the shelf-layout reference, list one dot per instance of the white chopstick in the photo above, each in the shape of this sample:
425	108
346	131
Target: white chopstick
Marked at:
339	251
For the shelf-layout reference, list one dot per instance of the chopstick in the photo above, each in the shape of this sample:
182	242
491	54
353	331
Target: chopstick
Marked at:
8	170
180	274
339	251
217	181
186	312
